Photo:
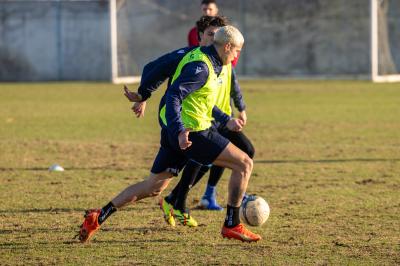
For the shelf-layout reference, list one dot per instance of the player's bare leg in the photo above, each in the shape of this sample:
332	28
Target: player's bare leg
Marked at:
150	187
241	165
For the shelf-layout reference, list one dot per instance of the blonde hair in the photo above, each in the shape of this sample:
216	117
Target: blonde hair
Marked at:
228	34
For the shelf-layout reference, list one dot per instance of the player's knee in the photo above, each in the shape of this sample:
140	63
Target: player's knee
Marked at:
249	164
154	188
246	166
155	193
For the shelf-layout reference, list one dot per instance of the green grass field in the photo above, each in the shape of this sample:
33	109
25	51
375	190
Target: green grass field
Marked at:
327	161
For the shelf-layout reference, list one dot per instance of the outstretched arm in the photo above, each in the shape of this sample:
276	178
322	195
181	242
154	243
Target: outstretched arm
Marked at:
139	106
153	75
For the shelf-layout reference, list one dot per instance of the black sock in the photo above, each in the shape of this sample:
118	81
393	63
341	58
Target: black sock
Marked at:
232	216
203	170
215	175
189	174
106	211
171	197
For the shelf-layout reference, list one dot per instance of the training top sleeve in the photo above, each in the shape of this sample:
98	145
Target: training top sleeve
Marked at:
157	71
220	116
236	93
193	76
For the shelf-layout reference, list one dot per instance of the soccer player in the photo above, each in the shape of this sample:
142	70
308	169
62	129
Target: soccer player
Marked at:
195	89
190	103
154	74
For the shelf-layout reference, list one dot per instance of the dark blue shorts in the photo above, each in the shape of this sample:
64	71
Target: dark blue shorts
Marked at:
168	157
207	145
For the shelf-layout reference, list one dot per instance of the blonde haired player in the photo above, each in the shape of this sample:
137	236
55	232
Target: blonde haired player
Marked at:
190	102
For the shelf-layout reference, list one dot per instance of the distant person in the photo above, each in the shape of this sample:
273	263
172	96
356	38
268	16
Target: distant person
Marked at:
208	8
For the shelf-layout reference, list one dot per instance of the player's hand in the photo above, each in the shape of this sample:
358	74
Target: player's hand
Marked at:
132	96
184	141
243	117
139	108
235	124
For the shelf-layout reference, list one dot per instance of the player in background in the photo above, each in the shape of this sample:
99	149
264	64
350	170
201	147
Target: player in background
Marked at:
208	8
151	79
190	102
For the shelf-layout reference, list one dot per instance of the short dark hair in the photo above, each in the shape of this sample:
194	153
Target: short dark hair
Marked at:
206	21
207	2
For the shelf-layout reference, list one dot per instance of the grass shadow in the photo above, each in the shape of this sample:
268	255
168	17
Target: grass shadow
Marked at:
44	210
113	168
328	161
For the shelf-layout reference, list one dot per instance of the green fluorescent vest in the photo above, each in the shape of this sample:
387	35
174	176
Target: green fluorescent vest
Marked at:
197	107
224	92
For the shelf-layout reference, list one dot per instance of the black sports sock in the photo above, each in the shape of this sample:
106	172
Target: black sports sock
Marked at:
106	211
232	216
215	175
190	172
203	170
171	197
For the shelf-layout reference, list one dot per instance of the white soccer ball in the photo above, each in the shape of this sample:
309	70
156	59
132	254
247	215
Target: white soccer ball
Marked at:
254	211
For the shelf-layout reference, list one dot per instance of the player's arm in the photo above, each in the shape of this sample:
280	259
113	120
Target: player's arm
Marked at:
157	71
153	75
232	124
190	80
237	97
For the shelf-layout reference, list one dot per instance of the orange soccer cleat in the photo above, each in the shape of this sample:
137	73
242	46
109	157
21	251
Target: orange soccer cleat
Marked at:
239	232
90	225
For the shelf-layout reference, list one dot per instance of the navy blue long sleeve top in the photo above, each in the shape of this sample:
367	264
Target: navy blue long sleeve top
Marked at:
193	76
157	71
